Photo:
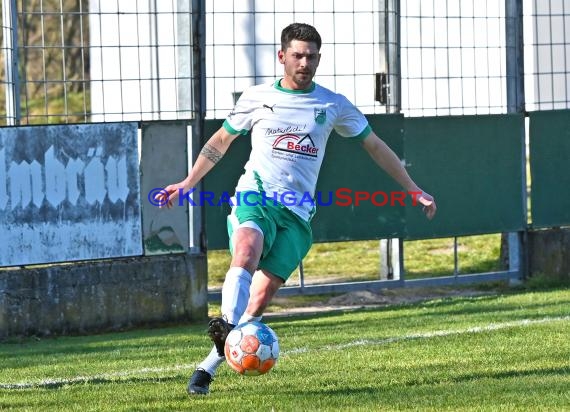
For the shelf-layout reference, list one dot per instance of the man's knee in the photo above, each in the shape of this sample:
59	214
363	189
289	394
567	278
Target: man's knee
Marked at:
247	248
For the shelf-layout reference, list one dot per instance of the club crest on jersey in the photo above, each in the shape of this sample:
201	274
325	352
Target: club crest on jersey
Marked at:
320	116
291	144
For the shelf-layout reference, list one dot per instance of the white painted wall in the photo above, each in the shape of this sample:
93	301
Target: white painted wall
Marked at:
135	60
453	60
129	53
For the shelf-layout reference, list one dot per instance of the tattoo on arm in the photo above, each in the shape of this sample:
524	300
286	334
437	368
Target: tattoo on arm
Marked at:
211	153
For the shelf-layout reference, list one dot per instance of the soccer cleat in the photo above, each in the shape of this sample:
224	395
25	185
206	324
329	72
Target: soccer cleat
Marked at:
218	330
199	383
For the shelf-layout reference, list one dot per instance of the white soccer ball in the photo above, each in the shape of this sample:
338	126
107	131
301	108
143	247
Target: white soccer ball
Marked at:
252	348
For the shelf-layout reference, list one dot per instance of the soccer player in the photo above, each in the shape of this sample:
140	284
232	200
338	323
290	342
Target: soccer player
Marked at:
290	121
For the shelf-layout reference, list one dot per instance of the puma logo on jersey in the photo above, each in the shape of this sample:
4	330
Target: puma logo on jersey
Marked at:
266	106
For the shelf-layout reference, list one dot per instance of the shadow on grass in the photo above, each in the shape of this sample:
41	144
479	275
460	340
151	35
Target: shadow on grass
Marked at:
498	375
95	380
371	391
447	306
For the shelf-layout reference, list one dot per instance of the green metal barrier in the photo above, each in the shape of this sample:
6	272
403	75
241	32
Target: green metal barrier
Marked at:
346	166
549	144
474	167
472	164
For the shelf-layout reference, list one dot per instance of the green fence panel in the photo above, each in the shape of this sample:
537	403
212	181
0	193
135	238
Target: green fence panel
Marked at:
549	145
473	165
346	166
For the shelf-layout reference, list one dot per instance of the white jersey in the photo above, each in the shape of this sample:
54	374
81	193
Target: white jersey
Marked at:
289	133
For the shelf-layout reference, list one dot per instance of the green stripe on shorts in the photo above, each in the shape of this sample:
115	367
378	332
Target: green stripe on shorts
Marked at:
287	237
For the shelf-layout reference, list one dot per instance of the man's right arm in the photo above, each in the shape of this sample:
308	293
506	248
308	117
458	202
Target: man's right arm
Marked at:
209	156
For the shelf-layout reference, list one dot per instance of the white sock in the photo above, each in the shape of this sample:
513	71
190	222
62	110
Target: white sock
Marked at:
212	362
235	294
249	318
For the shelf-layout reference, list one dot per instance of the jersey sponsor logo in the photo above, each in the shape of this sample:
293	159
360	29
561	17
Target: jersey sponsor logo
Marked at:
294	144
266	106
320	116
271	131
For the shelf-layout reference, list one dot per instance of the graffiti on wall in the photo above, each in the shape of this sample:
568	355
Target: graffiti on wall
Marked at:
68	193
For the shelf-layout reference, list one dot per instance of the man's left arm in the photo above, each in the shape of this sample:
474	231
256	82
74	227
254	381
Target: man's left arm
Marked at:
391	164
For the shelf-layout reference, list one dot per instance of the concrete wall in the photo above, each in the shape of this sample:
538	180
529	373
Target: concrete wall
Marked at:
102	296
549	253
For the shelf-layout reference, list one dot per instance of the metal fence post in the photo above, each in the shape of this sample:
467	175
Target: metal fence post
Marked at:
197	218
11	61
516	104
514	46
391	250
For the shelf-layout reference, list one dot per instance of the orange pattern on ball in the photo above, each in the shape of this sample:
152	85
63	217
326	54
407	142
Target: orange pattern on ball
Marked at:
266	366
250	362
249	344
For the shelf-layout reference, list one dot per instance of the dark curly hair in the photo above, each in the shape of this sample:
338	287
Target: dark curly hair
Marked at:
299	31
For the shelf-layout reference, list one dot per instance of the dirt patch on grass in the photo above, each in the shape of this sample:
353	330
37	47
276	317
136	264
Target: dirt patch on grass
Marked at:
283	306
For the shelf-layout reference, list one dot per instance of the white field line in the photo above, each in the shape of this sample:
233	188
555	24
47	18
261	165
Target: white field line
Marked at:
438	333
102	377
116	376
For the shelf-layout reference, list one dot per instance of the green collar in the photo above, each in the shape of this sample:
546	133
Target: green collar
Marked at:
277	85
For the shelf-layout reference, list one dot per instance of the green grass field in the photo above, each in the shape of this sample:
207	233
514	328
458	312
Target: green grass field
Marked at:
501	352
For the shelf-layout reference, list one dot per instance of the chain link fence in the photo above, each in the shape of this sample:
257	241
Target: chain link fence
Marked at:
547	36
67	61
86	61
453	57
